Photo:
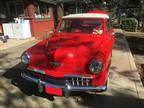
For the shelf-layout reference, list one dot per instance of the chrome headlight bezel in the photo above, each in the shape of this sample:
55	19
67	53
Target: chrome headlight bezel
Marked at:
25	58
95	66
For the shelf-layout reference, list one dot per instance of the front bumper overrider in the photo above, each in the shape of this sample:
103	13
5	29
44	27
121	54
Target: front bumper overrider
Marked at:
66	88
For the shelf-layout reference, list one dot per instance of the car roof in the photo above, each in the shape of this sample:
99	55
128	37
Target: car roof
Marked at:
99	11
86	15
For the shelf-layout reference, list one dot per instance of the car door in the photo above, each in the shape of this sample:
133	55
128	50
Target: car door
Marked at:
109	35
108	41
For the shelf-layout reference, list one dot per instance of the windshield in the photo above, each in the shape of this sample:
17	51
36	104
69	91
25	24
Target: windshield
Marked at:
89	26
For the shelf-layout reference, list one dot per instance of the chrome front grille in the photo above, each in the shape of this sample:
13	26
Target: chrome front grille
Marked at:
78	81
73	80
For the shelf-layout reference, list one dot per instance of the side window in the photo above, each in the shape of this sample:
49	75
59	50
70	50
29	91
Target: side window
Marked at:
65	26
62	26
108	25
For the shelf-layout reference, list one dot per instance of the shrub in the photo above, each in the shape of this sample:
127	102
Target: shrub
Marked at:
129	24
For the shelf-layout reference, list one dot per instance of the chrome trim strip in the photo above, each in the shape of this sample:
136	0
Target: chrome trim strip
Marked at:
29	78
37	70
73	88
79	76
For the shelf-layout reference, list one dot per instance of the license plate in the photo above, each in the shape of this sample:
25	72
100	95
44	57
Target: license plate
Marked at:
54	91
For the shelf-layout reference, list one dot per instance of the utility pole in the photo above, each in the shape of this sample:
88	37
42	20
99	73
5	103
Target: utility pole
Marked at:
55	12
142	15
142	7
76	3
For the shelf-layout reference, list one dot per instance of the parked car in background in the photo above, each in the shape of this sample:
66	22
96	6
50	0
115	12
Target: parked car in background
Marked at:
76	58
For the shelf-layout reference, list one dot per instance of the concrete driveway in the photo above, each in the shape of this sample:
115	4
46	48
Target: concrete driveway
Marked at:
125	88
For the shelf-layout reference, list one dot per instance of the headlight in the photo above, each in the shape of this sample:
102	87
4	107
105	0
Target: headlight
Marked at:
25	58
95	66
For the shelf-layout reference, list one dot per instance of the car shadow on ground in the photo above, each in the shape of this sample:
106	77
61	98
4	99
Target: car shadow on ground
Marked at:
118	100
91	100
28	88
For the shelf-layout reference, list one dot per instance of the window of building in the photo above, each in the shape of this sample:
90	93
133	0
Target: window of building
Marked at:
15	8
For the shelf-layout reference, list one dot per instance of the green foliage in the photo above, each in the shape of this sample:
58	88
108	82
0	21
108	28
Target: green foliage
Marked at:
129	24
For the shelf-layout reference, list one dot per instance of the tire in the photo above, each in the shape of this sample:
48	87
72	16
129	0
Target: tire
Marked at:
107	82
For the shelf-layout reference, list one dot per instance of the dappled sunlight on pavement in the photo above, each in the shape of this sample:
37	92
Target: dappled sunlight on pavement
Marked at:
14	43
124	85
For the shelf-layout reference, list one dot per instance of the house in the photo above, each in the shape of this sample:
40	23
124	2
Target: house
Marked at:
38	12
42	14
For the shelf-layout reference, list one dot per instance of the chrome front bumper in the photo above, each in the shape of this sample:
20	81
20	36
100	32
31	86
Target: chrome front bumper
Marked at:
67	88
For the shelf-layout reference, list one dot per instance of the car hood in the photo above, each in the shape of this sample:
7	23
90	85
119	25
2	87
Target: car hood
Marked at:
66	54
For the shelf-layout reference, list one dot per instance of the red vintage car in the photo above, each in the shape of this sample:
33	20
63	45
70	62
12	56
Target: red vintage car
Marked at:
76	58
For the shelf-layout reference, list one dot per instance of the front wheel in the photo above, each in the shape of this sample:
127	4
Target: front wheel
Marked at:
107	82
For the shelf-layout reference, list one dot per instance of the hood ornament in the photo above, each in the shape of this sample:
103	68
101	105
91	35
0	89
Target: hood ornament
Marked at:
56	46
